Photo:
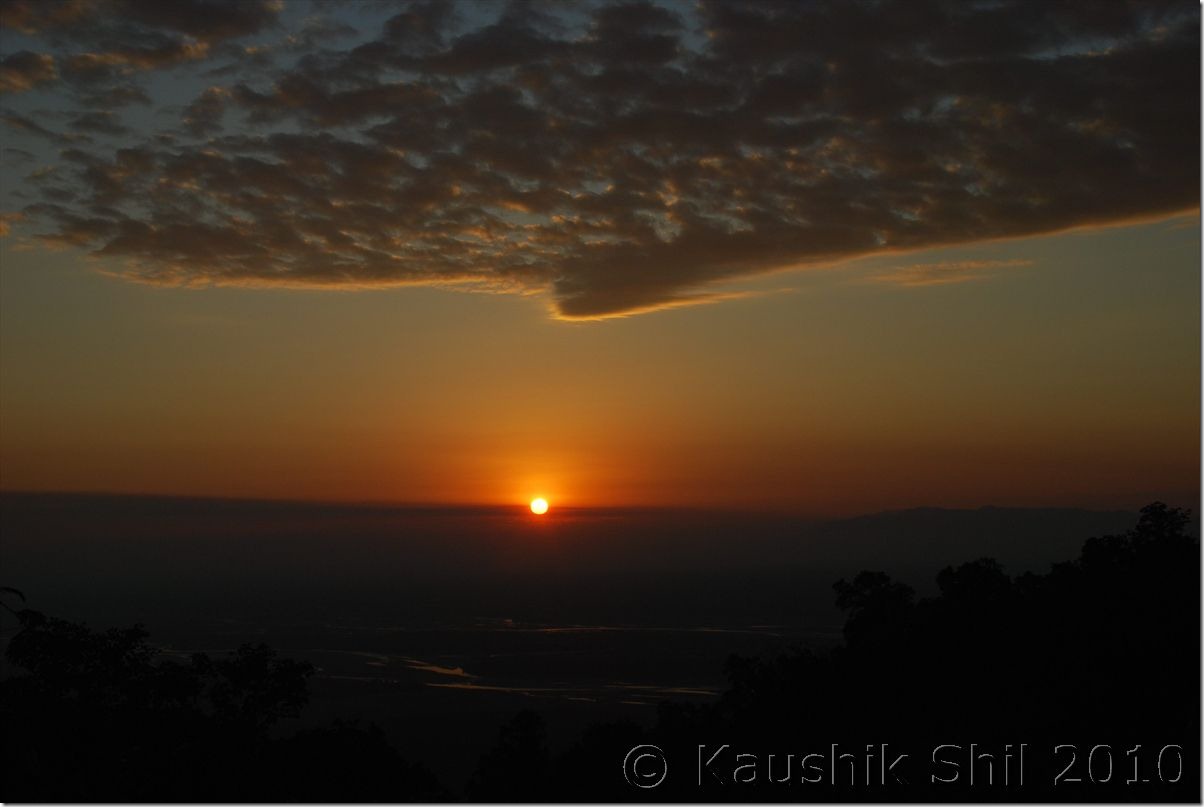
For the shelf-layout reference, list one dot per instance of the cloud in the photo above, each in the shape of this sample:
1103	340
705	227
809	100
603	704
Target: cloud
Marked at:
35	129
89	20
683	300
619	158
14	156
88	66
100	123
944	273
24	70
6	222
204	115
102	42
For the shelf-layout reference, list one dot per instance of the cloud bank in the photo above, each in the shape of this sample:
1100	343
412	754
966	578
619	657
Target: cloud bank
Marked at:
620	157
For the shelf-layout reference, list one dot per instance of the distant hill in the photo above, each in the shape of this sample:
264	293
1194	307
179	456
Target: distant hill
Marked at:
918	540
123	557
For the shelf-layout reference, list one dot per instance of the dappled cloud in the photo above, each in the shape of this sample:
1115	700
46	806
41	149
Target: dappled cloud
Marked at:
619	158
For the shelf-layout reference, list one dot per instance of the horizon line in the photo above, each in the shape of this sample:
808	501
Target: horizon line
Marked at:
521	507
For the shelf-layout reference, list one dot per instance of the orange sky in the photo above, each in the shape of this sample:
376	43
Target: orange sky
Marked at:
817	257
1064	371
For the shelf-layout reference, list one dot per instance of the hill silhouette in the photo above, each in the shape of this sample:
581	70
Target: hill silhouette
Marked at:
1089	672
1094	667
99	717
175	560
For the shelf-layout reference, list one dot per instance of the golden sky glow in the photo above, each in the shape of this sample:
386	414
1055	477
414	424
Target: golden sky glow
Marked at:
774	256
1065	372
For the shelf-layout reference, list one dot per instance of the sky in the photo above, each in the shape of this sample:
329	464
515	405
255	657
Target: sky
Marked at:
820	258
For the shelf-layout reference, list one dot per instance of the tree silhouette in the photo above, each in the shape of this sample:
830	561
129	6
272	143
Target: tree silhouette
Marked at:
1101	651
517	768
100	716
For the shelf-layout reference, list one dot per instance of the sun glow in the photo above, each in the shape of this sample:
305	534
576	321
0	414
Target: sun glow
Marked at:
539	506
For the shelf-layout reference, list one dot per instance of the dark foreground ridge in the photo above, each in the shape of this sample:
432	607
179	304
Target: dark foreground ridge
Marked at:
1081	684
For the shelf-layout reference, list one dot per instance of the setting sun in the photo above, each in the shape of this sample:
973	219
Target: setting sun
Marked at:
539	506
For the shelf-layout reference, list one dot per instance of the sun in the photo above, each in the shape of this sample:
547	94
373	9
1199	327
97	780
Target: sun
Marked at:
539	506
